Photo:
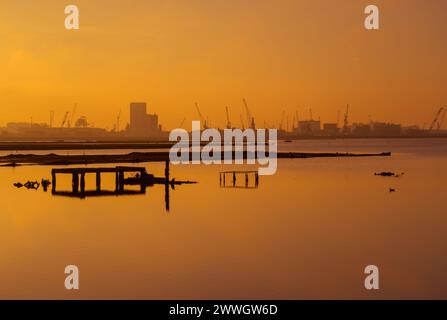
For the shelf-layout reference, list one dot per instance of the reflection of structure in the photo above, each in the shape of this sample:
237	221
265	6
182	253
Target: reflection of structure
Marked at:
229	179
141	178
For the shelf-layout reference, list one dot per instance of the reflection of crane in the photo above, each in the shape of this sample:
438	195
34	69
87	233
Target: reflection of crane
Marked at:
202	119
65	119
346	120
250	119
228	118
437	121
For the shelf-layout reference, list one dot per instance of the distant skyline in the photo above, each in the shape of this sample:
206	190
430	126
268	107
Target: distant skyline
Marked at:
280	55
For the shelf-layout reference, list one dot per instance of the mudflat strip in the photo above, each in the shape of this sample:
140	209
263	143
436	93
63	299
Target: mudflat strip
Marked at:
139	157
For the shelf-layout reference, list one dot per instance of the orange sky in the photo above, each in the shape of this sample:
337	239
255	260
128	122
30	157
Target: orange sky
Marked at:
278	54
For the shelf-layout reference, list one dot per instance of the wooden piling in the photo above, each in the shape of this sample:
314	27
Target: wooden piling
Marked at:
75	183
82	182
98	181
53	181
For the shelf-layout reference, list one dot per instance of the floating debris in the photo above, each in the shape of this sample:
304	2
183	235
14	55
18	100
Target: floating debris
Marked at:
45	184
389	174
29	185
32	185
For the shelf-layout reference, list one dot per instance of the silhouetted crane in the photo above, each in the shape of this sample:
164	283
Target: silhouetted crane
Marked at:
250	119
297	119
346	121
282	120
182	123
118	118
242	123
228	118
202	119
437	121
441	119
73	113
65	119
51	118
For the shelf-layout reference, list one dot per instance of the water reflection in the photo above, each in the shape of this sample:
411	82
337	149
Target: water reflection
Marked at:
125	179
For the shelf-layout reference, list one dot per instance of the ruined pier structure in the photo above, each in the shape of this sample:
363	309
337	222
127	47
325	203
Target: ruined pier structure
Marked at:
78	179
233	179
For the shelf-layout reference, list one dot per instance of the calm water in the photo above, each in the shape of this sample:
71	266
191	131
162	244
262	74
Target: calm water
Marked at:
306	232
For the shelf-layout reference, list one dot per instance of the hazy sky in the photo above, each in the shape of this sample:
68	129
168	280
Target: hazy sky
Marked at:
278	54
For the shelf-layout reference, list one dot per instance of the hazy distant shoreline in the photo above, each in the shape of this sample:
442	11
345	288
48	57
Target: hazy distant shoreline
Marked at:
27	145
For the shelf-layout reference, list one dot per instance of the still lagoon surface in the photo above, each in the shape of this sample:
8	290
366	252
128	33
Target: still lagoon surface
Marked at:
306	232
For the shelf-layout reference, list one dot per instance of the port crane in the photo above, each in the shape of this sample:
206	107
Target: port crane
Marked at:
72	118
438	120
182	123
250	119
202	119
118	118
242	123
282	120
65	119
228	118
441	119
51	118
346	120
297	119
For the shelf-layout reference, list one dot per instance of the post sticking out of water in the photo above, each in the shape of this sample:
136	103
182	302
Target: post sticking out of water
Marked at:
167	171
250	179
98	181
121	180
75	183
53	181
82	182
